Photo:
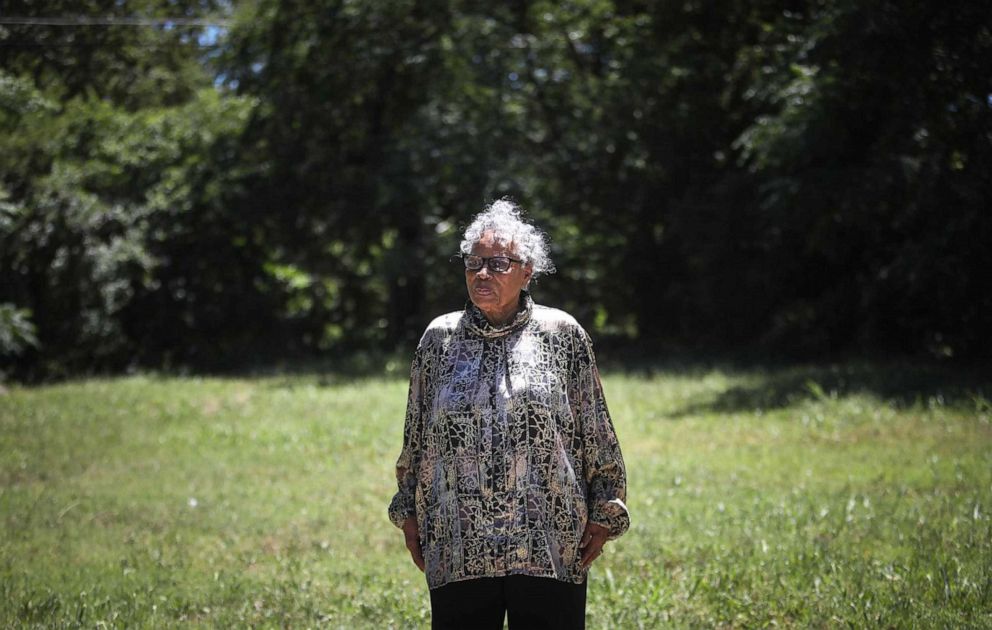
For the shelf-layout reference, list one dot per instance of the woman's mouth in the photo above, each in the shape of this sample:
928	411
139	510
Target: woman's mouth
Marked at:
483	291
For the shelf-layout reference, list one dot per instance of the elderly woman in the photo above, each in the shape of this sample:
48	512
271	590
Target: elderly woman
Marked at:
510	477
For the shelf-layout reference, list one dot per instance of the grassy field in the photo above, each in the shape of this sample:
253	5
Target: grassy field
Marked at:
823	496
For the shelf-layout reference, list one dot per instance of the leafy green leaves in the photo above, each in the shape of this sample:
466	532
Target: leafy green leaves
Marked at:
801	180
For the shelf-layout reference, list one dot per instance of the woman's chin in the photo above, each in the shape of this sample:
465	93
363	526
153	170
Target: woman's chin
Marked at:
484	300
485	306
488	307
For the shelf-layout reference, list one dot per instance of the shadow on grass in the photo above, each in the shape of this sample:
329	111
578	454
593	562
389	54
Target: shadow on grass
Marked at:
329	372
901	385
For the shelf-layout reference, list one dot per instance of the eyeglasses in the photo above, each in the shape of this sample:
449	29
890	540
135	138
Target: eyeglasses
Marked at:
496	264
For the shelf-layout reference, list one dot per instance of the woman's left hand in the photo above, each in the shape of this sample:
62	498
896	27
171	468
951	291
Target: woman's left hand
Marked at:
593	539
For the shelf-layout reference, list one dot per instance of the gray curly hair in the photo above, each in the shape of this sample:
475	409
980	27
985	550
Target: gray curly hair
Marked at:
502	218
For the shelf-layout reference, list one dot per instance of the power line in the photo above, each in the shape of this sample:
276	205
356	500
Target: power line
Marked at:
31	44
83	20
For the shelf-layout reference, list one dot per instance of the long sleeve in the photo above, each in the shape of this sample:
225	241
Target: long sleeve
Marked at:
605	474
403	504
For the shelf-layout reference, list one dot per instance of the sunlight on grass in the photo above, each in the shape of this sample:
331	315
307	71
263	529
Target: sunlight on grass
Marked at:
794	497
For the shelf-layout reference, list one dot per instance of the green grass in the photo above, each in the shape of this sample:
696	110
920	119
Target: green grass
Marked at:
856	496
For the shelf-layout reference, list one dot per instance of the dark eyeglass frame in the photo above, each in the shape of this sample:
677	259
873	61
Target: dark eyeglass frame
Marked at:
487	262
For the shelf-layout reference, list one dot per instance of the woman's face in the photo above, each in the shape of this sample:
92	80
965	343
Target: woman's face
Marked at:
496	294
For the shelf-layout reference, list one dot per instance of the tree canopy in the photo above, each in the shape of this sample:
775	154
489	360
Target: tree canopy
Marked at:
215	183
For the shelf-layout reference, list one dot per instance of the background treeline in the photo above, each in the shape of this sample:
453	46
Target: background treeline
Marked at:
799	177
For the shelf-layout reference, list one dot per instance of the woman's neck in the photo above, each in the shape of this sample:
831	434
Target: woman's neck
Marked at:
502	319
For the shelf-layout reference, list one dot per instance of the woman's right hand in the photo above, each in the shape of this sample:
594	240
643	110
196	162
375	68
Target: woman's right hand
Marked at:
412	535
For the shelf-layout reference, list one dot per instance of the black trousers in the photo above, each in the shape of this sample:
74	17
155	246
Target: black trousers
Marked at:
528	602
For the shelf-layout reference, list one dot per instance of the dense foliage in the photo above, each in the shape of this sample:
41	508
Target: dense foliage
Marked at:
726	174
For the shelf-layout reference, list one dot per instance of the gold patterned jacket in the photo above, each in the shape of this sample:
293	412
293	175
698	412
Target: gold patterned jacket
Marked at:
508	447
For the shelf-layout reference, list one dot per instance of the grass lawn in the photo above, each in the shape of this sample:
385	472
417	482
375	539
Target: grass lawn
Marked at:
825	496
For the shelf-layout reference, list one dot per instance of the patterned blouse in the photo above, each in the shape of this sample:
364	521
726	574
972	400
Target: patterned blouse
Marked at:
508	447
